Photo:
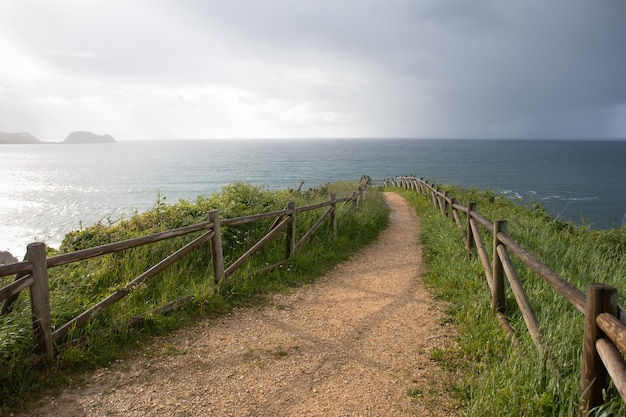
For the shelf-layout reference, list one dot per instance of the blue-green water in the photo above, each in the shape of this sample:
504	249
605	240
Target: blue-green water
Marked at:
48	190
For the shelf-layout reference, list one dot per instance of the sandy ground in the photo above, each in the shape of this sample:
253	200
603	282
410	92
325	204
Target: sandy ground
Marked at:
357	342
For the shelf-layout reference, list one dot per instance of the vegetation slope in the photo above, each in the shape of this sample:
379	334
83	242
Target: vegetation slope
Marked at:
76	287
504	378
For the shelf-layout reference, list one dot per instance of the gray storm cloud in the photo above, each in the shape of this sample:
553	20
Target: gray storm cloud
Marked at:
201	69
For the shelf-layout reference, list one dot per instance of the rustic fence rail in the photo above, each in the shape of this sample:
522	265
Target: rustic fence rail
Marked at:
32	273
604	343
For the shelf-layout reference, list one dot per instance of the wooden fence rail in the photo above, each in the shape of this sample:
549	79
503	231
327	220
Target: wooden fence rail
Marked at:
32	273
604	341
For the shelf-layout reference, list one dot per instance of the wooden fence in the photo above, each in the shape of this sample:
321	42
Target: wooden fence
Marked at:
605	322
32	272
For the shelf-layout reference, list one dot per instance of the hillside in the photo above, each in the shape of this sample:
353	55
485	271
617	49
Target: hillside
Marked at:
340	346
18	138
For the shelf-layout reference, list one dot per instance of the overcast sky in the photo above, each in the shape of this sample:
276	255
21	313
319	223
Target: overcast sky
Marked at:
158	69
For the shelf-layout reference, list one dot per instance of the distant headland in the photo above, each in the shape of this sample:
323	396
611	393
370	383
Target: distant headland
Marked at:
18	138
80	137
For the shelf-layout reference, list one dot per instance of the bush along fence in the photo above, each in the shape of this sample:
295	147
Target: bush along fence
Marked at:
604	340
32	272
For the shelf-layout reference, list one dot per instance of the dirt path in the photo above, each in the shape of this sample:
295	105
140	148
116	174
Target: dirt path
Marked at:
358	342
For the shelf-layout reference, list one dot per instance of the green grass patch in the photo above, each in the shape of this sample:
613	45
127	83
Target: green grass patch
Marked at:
502	379
415	393
78	286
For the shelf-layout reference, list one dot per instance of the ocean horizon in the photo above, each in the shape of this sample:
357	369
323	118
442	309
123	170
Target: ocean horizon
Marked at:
48	191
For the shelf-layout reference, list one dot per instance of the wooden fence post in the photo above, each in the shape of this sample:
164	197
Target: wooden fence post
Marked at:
446	205
593	375
455	213
469	244
333	216
217	251
40	300
290	250
353	200
498	300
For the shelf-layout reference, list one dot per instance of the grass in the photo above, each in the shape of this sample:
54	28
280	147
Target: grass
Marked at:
78	286
415	393
503	379
500	378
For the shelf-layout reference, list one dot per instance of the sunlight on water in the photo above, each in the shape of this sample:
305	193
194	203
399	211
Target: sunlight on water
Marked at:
48	190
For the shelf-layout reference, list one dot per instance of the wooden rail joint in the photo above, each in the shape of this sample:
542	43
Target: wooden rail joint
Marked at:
594	378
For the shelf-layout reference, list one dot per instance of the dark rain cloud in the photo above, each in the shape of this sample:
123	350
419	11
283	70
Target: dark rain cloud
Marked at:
429	68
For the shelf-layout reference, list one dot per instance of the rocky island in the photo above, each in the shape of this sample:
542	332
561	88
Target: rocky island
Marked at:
88	137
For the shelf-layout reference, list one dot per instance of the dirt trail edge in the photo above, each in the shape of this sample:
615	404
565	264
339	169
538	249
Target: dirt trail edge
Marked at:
357	342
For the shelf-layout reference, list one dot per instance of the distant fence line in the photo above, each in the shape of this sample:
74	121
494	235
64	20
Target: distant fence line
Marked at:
604	340
32	272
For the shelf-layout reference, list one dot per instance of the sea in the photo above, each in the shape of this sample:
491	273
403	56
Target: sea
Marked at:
51	189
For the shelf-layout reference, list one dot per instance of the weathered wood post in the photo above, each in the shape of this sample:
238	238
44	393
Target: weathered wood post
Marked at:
333	215
440	202
217	251
446	203
40	300
455	213
290	249
593	375
353	199
498	300
469	244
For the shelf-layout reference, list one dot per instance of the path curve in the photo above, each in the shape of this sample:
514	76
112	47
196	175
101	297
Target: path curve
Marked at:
354	343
